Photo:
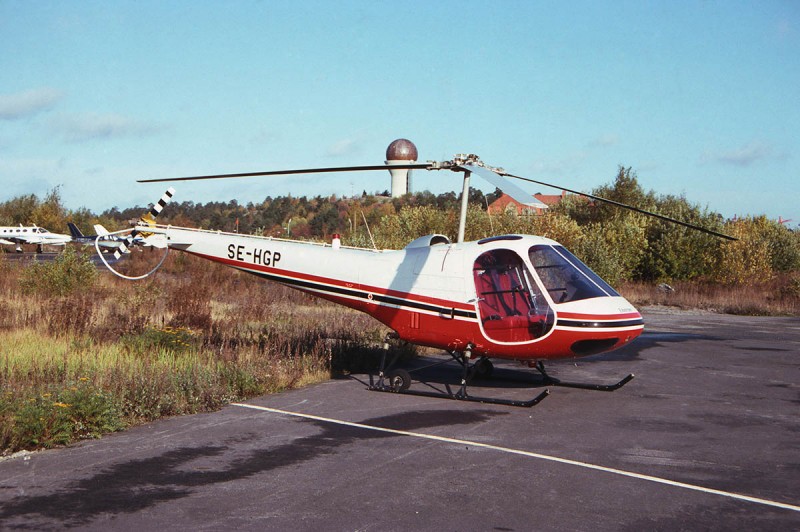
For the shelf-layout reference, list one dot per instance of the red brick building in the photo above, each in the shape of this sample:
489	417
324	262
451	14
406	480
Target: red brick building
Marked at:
506	203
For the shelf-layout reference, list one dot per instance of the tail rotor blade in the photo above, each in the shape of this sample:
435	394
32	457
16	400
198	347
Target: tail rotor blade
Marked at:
149	218
157	207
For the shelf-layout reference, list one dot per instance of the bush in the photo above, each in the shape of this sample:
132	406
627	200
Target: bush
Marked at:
174	339
746	261
613	249
396	231
78	411
64	275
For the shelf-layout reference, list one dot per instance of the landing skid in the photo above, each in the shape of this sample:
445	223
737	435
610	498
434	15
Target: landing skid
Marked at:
463	397
398	380
552	381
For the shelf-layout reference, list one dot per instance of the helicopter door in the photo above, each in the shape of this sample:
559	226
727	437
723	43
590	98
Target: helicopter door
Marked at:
510	305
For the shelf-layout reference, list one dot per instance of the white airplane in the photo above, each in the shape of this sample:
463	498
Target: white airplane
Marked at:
115	240
102	237
107	240
31	235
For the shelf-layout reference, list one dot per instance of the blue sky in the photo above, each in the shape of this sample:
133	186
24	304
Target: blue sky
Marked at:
700	98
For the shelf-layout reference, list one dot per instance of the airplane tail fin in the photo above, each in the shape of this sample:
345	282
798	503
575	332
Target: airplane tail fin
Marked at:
74	231
99	230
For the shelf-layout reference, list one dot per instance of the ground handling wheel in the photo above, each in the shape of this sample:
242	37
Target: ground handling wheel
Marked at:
482	369
399	380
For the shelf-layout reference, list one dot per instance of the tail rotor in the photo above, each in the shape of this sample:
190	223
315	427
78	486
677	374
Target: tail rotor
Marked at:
136	236
148	218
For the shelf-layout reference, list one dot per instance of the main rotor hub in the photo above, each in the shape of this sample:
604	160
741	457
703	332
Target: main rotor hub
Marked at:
467	158
461	159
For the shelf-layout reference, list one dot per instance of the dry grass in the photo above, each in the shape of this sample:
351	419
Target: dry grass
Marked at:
192	338
778	297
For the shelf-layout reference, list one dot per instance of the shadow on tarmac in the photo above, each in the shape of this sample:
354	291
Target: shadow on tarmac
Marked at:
436	374
132	486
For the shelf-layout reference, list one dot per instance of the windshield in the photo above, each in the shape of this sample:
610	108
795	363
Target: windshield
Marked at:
565	277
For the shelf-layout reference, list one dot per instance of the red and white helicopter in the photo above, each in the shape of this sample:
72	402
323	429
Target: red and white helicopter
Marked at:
517	297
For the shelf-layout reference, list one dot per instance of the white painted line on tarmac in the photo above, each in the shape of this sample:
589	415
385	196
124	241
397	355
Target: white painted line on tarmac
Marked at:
529	454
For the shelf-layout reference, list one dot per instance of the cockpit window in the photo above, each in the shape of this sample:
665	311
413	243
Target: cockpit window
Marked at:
510	304
565	277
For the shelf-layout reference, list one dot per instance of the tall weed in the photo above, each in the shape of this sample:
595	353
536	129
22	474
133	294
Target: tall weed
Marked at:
191	339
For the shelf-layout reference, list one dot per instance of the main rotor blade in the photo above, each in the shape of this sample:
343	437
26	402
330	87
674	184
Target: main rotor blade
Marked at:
409	166
506	185
629	207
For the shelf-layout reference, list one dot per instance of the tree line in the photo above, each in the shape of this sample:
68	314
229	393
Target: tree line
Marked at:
620	245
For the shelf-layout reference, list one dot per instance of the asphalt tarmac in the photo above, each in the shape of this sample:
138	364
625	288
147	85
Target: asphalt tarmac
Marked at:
706	437
28	258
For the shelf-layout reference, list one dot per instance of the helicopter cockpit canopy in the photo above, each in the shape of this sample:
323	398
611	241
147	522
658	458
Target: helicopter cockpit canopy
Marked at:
510	303
512	307
565	277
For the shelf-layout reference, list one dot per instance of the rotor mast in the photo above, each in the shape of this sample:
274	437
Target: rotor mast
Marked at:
462	220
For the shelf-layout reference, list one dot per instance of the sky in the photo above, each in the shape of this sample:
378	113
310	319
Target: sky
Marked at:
700	98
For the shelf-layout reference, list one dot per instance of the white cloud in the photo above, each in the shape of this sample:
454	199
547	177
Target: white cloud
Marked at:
90	126
27	103
264	137
344	147
785	29
604	141
20	177
30	166
567	165
743	156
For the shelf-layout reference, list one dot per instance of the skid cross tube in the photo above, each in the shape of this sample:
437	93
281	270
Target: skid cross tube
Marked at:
399	381
471	398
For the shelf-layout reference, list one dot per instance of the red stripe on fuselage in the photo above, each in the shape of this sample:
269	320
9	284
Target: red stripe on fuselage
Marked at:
295	275
598	317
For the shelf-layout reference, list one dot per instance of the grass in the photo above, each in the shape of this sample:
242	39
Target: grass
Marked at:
191	339
777	297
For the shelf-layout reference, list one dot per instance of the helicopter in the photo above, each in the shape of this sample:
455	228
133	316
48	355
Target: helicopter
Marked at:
515	297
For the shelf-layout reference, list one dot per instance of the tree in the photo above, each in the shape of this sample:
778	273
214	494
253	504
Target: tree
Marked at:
326	220
84	219
675	252
746	261
397	231
18	210
625	190
50	213
493	196
613	249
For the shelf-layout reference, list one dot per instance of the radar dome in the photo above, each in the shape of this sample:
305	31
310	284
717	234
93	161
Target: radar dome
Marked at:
401	150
